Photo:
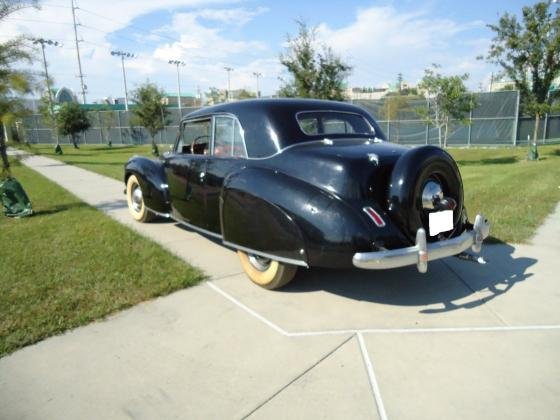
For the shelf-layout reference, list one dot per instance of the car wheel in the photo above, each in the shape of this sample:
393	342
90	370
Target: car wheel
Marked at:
135	201
265	272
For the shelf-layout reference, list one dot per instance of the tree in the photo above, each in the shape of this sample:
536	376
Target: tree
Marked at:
106	119
215	96
245	94
391	110
48	117
13	82
448	99
314	74
527	52
71	120
149	111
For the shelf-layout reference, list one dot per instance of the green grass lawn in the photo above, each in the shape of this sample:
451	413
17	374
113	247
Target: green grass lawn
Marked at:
108	161
70	264
515	194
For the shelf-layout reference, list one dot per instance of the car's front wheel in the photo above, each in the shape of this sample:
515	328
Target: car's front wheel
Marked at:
265	272
135	201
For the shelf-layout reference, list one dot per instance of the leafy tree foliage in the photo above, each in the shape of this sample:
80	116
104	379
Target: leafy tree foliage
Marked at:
215	96
314	74
448	99
48	117
245	94
106	119
71	120
149	110
391	110
527	51
13	82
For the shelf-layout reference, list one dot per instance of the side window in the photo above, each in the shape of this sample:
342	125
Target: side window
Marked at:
195	137
314	123
336	126
228	138
309	125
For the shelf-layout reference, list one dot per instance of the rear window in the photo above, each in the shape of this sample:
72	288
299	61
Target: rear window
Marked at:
314	123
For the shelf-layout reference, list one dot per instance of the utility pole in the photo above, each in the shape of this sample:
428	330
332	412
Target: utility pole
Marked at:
81	75
48	83
178	63
257	75
229	70
123	55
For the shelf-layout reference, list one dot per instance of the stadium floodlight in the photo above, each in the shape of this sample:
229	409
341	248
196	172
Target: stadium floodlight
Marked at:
123	55
50	42
178	63
257	76
229	70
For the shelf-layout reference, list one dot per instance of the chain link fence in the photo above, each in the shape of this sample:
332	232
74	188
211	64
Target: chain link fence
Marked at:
494	121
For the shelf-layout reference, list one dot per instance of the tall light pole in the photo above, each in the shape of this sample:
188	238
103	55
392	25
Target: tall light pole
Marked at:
257	75
80	75
178	63
123	55
229	70
44	42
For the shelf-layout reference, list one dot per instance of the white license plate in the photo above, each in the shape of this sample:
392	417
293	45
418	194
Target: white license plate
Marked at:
440	221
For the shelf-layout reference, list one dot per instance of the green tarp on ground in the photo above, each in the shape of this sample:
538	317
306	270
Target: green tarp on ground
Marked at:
14	199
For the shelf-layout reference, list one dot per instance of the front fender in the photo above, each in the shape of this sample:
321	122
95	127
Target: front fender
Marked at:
152	180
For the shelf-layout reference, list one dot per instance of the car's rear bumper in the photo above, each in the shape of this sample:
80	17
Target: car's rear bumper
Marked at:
423	252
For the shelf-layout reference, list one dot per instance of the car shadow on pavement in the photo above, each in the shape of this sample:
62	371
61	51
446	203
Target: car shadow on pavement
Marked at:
447	281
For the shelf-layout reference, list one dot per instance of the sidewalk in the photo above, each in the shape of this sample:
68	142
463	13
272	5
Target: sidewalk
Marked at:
463	341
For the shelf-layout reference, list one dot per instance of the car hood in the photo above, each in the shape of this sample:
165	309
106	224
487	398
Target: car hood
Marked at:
349	168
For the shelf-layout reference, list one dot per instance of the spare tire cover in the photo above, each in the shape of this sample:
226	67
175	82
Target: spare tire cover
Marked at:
411	173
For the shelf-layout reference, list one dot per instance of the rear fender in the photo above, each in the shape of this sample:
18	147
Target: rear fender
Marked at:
274	213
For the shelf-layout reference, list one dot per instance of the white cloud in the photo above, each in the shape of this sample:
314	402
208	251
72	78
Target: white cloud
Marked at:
199	43
382	42
202	46
236	16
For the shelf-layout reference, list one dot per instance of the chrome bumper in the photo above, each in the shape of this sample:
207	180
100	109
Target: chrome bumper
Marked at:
423	252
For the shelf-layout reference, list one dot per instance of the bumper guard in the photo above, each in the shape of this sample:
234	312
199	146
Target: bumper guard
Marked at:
423	251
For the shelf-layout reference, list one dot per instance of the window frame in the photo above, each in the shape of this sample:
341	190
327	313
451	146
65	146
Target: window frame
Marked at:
182	130
242	132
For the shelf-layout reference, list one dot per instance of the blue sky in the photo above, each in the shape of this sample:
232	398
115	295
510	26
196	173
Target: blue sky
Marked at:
378	38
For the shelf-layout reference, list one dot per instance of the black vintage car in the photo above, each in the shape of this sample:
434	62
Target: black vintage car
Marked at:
305	183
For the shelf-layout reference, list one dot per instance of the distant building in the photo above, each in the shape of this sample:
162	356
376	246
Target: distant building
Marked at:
357	93
63	94
187	100
501	84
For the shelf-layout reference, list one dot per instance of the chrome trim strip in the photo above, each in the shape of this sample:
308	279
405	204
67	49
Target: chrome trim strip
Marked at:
319	141
266	255
231	244
423	252
196	228
199	229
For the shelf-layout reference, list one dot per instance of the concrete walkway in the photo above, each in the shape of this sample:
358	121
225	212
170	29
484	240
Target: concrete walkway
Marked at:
463	341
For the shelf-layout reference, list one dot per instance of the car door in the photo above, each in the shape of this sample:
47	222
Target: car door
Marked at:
186	170
227	155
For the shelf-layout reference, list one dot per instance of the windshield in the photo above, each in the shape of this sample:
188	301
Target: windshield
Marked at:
314	123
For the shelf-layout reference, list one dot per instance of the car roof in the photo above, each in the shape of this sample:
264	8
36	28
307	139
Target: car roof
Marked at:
270	125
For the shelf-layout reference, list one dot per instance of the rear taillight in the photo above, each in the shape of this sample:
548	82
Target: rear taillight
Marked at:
373	215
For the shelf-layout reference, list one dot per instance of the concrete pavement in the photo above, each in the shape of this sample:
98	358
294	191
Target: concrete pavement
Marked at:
463	341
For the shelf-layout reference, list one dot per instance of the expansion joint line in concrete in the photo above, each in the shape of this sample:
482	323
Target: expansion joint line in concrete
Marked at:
300	375
285	333
371	377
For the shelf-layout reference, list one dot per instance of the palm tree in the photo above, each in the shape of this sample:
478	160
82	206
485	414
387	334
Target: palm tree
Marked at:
12	81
